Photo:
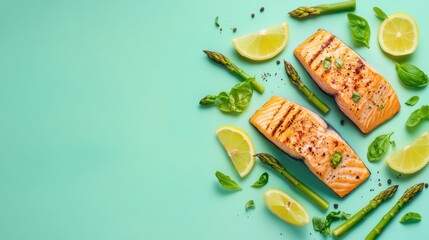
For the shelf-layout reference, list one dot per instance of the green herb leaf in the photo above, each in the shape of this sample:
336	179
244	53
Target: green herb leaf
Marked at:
393	143
327	63
412	101
226	182
381	106
323	225
417	115
379	147
233	102
339	63
250	204
355	96
360	29
217	21
336	159
263	179
411	75
410	217
380	14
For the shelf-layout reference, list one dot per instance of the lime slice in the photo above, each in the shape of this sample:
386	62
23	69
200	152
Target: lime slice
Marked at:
411	158
398	34
264	44
239	147
285	207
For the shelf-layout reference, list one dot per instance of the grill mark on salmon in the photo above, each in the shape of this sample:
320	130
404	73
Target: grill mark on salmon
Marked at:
326	44
303	135
356	75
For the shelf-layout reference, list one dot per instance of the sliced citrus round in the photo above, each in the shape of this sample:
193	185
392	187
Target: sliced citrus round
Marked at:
239	147
398	34
411	158
285	207
264	44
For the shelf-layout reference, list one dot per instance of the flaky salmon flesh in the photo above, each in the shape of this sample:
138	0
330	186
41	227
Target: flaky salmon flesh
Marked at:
355	78
302	134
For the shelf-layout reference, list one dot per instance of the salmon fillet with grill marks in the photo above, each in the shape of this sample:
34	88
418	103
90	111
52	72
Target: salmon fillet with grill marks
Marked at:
378	101
302	134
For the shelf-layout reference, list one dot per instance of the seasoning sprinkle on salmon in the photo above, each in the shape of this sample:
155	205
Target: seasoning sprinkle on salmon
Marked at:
377	101
302	134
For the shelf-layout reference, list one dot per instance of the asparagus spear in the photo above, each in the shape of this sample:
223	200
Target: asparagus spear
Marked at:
296	80
304	12
408	195
357	217
224	61
278	167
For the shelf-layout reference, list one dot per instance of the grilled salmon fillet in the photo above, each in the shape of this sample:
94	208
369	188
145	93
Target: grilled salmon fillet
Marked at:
302	134
378	101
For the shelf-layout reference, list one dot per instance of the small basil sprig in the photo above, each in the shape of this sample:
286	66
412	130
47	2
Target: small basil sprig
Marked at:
226	182
412	100
411	75
361	31
410	217
233	102
417	115
379	147
263	179
380	14
250	204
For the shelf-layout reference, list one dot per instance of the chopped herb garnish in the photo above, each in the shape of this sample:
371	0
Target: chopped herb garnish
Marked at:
381	106
412	101
339	63
327	63
355	97
217	21
336	159
410	217
263	179
250	204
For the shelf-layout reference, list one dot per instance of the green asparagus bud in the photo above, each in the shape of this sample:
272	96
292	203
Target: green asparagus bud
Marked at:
221	59
357	217
408	195
296	80
279	168
304	12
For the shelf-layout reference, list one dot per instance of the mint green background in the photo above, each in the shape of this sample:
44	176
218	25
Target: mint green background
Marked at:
101	135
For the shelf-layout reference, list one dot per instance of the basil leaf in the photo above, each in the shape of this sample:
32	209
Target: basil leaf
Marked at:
339	63
410	217
242	93
323	225
412	101
355	96
360	29
336	159
411	75
263	179
250	204
379	147
327	63
380	14
319	225
226	182
417	115
236	101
